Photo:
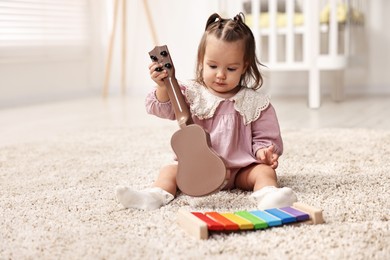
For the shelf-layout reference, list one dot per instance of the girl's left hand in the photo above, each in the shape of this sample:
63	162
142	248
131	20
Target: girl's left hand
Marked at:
268	157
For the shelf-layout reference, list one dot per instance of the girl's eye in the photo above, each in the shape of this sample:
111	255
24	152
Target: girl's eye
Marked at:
232	69
213	66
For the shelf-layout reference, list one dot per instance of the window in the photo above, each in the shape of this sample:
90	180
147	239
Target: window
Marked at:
44	29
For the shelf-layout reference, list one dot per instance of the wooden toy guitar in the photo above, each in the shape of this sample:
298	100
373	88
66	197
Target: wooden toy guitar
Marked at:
200	169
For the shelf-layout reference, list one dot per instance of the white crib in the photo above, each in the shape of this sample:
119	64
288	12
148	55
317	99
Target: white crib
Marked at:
305	35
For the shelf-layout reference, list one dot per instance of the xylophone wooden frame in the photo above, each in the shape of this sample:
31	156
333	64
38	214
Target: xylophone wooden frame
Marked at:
198	228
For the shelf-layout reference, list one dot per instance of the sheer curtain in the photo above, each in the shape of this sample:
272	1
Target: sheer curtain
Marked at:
49	48
44	28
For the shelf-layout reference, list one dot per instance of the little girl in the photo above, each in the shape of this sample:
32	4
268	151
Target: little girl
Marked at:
224	100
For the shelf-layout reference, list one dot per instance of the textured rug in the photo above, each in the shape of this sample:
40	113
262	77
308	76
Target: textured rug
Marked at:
57	199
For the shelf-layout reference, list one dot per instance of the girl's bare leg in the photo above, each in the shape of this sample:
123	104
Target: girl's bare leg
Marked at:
166	180
262	180
255	177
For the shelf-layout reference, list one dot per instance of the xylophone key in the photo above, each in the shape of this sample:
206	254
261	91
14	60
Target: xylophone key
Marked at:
211	224
301	216
241	222
286	218
257	222
228	225
271	220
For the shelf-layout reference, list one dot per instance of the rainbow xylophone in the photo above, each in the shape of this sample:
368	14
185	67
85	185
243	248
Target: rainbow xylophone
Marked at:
199	224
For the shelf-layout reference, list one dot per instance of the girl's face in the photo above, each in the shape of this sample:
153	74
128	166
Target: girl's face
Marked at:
223	65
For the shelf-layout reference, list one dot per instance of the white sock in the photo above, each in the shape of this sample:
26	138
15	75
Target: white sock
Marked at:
152	198
272	197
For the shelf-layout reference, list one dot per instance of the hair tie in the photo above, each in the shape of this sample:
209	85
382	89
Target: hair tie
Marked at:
239	18
213	19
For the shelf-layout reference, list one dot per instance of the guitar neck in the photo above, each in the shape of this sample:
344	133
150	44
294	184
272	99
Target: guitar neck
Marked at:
161	54
182	112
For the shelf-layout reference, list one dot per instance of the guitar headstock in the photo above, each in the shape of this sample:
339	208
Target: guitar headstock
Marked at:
160	54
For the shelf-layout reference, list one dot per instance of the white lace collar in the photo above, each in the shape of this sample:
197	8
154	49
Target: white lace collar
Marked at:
248	102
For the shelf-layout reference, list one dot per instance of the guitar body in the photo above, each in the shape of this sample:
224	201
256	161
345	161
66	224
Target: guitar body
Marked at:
201	171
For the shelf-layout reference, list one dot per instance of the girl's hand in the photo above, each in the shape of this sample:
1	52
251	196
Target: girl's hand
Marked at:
157	76
268	157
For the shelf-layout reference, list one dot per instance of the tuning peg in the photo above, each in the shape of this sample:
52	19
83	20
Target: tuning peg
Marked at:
154	58
168	65
159	69
164	53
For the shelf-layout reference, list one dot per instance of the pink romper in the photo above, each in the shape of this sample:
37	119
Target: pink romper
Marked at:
238	126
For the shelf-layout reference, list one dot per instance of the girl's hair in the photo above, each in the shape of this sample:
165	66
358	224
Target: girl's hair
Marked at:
231	30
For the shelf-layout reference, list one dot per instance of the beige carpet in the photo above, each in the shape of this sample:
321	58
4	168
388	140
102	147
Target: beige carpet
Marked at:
57	199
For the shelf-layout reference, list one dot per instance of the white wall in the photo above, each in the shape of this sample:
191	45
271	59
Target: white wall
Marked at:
378	34
29	82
